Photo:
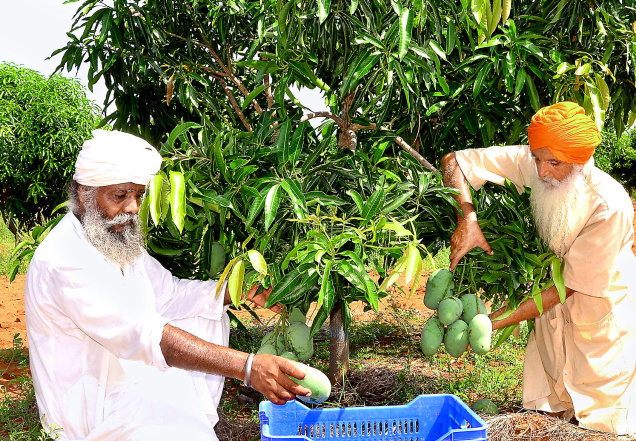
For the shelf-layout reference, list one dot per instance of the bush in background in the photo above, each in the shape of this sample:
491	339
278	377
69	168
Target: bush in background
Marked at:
617	157
43	122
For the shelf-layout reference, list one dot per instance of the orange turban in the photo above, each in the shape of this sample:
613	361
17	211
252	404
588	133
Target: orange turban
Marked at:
569	134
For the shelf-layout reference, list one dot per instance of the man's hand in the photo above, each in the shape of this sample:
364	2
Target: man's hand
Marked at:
467	236
261	297
270	377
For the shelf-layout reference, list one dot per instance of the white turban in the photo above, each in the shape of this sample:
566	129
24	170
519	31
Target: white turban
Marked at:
116	158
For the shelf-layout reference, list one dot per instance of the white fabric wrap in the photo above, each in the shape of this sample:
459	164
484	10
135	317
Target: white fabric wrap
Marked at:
116	158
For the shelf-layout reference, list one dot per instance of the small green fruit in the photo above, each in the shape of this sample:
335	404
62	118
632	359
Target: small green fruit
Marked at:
484	405
480	334
315	381
456	338
450	310
432	336
437	287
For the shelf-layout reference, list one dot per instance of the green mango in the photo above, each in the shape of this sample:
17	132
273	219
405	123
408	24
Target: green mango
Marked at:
317	382
432	336
484	405
289	355
296	315
437	287
267	348
217	258
456	338
299	335
449	310
472	305
480	334
279	344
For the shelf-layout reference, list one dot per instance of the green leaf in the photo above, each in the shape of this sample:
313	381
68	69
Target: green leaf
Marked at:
372	206
283	287
296	195
283	137
557	276
353	7
224	274
406	29
177	199
291	150
179	130
326	287
258	263
255	209
532	91
360	66
397	202
235	283
323	9
521	79
504	334
357	199
154	197
481	78
253	94
272	201
413	261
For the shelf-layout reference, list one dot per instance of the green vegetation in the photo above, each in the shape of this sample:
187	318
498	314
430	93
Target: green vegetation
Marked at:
43	122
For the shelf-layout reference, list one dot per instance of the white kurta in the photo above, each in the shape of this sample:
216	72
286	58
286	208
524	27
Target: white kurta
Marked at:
582	354
94	334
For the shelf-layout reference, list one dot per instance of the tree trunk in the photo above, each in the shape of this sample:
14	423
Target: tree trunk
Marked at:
338	346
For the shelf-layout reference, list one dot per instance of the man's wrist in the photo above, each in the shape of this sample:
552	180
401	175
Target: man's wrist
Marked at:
247	380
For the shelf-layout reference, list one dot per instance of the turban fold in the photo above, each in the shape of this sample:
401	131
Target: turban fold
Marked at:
116	158
569	134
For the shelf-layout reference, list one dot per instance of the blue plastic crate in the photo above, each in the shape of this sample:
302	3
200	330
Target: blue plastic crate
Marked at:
426	418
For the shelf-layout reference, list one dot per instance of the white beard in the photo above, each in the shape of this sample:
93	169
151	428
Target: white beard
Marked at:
557	208
121	248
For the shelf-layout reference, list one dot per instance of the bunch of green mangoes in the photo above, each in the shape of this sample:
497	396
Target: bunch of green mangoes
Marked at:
458	322
293	341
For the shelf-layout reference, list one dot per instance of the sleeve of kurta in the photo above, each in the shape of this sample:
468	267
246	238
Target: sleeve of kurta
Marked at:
116	313
180	298
591	260
496	164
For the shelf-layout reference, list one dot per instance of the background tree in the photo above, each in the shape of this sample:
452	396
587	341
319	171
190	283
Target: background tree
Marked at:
404	81
43	122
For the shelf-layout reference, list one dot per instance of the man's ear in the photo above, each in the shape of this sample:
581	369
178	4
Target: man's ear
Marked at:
80	193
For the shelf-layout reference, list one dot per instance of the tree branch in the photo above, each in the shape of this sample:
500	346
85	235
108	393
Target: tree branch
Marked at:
330	115
235	105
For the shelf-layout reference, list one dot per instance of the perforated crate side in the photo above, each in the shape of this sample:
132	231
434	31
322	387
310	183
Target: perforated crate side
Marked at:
426	418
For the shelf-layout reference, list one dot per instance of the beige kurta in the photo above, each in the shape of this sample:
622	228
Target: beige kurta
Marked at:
582	353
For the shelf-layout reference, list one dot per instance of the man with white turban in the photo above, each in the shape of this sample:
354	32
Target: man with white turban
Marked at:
581	356
119	348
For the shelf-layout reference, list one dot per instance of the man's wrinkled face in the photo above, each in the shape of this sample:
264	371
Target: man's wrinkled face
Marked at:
114	200
111	222
551	171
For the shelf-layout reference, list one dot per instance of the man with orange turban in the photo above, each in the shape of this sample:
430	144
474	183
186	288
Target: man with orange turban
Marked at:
581	355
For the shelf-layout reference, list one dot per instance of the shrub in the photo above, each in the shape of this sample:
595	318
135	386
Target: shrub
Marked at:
43	122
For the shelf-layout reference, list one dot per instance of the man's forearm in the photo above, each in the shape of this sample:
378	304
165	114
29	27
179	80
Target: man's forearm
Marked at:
183	350
454	177
528	310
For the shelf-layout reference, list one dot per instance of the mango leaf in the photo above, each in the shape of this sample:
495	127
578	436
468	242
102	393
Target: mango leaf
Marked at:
504	334
507	5
323	9
413	261
536	295
291	150
406	29
296	195
177	131
283	287
258	263
235	283
557	276
272	201
360	66
532	92
255	209
283	138
224	274
372	206
154	198
357	199
325	286
177	199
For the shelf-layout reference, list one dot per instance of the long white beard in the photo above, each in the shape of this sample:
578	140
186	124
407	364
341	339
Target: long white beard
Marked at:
557	208
121	248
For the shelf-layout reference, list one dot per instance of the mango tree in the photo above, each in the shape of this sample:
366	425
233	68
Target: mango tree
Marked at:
404	81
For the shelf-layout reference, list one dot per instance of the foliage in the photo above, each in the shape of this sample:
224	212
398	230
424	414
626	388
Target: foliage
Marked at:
617	156
43	122
439	74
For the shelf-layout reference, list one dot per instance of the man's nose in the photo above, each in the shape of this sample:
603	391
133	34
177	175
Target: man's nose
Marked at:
132	206
542	170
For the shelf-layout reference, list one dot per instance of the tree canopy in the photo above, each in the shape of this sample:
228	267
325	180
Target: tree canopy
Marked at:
43	122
